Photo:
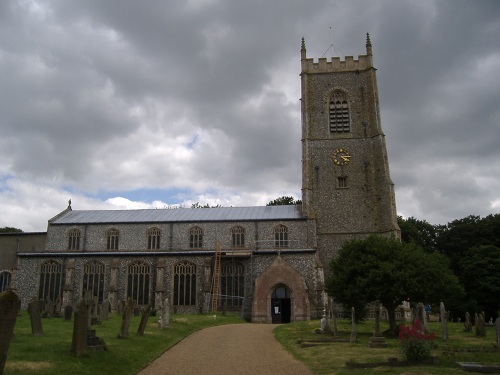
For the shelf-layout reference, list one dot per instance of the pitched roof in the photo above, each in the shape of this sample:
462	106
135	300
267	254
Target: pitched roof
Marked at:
257	213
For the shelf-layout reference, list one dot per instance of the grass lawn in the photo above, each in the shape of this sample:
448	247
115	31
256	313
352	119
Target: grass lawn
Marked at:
51	353
331	357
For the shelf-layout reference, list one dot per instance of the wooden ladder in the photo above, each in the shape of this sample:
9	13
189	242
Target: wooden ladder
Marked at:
216	280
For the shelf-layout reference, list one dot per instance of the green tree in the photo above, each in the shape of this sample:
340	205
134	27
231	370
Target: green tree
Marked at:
10	230
419	232
480	275
385	269
284	200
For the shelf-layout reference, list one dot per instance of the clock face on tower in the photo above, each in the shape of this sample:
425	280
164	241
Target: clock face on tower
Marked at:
341	156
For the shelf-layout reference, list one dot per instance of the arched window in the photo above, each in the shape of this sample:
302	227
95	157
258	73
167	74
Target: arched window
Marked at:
238	236
196	238
184	284
74	239
232	284
93	280
50	280
280	236
112	239
138	281
339	113
154	235
4	280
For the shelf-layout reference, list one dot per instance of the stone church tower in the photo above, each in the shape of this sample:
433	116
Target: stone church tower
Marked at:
346	186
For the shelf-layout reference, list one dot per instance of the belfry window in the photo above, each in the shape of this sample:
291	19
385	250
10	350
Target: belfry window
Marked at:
339	113
112	239
196	238
74	239
184	284
154	235
342	182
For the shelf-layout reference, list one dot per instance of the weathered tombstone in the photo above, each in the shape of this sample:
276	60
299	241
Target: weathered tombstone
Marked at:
353	326
58	306
164	320
480	326
378	340
468	323
68	312
421	316
144	319
497	327
80	329
127	311
105	310
49	308
444	321
35	318
325	324
9	308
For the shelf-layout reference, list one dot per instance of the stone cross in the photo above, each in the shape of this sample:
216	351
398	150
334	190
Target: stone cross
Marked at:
444	321
35	318
144	319
353	326
80	328
9	308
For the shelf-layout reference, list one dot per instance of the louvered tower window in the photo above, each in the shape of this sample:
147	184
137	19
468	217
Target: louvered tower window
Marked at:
339	113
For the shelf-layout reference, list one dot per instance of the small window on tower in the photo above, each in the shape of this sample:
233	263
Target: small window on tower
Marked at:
339	113
341	182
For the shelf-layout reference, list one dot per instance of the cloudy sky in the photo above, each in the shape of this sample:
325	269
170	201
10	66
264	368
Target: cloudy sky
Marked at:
143	104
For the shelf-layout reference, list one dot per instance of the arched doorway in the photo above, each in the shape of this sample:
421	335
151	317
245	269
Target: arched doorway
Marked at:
280	305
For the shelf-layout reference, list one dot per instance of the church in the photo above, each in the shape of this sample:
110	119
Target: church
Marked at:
267	262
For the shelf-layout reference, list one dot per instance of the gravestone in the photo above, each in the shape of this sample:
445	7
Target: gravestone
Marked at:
105	310
9	308
49	308
353	326
164	320
377	340
497	327
127	311
467	323
68	312
144	319
421	316
480	326
35	318
80	329
444	321
57	308
325	324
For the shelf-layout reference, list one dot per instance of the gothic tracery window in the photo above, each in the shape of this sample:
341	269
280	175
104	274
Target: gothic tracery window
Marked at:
196	238
112	237
138	282
184	284
4	280
238	236
339	113
74	239
51	277
280	236
93	280
232	284
154	235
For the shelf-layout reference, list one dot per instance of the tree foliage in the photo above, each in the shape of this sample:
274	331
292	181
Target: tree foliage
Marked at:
10	230
419	232
385	269
283	201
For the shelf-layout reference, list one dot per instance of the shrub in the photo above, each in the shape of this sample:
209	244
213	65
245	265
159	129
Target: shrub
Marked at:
415	344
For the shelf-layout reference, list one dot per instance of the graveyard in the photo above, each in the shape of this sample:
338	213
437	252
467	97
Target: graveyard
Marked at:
325	349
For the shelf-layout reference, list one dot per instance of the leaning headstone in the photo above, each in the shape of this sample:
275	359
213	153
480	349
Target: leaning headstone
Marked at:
80	329
353	326
378	340
467	323
497	327
35	318
127	311
68	312
144	319
9	308
444	321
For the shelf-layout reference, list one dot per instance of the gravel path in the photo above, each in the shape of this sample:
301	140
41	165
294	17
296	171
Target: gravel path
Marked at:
228	349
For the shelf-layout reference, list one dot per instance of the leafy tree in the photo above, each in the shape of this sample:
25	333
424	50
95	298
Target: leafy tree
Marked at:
419	232
10	230
198	205
384	269
284	200
480	275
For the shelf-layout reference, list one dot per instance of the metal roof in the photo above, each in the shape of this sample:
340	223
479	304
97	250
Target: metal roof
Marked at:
258	213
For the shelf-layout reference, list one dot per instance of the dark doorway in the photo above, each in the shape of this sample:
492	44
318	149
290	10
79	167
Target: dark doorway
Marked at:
280	305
